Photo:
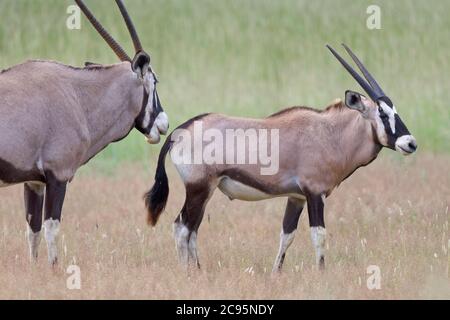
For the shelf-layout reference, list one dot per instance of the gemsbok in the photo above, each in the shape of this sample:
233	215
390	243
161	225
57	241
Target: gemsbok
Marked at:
317	150
55	118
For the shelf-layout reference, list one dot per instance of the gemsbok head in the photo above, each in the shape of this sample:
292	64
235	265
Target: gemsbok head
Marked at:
299	153
152	120
55	118
378	108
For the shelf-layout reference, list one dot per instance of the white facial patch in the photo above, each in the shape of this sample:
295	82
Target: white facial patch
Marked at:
147	117
391	112
149	84
51	230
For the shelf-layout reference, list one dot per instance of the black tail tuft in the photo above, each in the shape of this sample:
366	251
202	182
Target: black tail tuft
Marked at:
156	198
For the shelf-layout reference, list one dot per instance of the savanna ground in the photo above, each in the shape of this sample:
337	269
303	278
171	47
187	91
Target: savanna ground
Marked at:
386	215
247	58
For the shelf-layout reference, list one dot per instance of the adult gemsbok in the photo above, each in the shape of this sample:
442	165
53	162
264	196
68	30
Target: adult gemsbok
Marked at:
55	118
317	151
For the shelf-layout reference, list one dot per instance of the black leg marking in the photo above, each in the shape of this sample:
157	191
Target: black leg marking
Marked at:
54	200
315	211
54	197
317	224
34	200
292	214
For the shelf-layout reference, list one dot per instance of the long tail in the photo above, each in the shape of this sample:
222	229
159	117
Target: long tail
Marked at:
156	198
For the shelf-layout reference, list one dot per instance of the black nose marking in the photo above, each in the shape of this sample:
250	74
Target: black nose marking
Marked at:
412	145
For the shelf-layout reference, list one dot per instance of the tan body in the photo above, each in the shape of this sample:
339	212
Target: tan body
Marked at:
318	150
55	118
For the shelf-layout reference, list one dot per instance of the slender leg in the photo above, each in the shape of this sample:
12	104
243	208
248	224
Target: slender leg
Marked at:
188	222
317	224
193	253
54	199
291	216
34	200
181	235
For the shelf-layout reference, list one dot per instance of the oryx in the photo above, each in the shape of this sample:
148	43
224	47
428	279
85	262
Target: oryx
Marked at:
317	150
54	118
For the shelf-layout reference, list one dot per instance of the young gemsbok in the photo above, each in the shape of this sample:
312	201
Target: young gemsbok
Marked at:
317	151
55	118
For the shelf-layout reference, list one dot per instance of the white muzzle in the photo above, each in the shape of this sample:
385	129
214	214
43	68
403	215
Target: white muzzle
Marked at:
406	145
160	127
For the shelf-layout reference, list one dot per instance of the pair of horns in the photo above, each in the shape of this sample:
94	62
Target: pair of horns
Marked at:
118	50
371	86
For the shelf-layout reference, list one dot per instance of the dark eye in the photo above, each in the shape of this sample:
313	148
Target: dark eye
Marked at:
381	111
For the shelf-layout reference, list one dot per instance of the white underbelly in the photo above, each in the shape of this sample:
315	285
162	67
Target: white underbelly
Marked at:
236	190
239	191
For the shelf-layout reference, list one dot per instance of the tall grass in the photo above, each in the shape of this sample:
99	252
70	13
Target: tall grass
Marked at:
253	57
403	231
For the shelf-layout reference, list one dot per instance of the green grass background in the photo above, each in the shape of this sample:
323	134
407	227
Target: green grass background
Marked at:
253	57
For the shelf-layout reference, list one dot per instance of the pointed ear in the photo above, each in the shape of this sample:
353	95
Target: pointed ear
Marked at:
140	64
355	101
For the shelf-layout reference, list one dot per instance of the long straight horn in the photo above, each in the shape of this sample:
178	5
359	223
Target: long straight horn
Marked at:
366	73
130	26
105	35
356	76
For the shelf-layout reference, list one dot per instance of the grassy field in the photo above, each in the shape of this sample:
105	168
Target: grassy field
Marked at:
247	58
254	57
403	230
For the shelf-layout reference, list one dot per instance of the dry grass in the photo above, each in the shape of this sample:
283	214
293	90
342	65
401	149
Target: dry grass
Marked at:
393	214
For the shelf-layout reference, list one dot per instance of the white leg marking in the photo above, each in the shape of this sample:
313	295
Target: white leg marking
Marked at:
181	234
51	229
193	255
285	242
318	236
40	165
34	238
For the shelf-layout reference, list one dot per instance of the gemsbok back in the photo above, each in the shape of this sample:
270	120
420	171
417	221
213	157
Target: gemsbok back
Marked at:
311	153
55	118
